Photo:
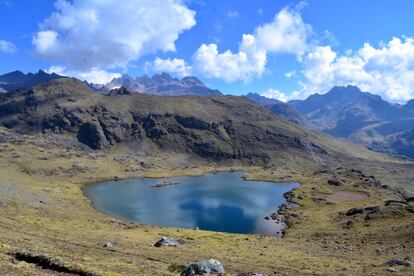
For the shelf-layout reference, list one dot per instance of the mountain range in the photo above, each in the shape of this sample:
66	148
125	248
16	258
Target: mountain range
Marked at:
17	79
344	112
347	112
161	84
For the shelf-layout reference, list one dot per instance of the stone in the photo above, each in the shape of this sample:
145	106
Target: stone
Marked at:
108	245
204	267
3	205
397	261
354	211
335	182
167	241
392	270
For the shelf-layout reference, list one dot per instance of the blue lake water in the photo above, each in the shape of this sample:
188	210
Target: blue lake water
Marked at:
221	202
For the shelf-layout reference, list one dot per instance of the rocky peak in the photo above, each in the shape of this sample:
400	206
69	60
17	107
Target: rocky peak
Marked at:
163	84
192	81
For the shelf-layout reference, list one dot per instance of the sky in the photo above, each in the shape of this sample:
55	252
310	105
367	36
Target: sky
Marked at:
277	48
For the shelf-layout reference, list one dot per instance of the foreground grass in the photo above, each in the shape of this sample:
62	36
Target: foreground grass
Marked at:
46	214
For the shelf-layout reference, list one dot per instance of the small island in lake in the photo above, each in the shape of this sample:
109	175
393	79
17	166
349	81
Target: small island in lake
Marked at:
164	184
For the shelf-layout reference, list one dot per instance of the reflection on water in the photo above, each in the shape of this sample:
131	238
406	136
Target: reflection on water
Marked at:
218	202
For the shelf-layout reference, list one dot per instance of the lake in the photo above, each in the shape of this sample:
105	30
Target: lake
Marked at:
222	202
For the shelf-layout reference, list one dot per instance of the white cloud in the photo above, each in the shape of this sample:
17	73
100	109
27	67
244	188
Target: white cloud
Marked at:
245	64
290	74
95	75
387	70
176	66
94	35
286	34
275	94
7	47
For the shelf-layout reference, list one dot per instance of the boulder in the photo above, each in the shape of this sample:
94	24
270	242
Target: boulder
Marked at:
109	245
204	267
354	211
397	261
167	241
335	182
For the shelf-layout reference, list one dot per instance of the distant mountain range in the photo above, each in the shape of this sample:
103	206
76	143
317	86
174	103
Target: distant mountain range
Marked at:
17	79
364	118
161	84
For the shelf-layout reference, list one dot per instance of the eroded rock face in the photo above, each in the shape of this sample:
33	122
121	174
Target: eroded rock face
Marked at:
205	267
92	135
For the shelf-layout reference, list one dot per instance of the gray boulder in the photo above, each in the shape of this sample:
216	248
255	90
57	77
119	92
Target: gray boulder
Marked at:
397	261
335	182
167	241
204	267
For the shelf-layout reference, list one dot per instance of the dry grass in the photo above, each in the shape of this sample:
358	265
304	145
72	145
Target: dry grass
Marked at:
48	215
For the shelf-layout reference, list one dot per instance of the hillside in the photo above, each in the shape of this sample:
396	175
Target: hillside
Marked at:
280	108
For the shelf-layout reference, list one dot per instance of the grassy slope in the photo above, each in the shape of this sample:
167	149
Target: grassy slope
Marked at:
67	229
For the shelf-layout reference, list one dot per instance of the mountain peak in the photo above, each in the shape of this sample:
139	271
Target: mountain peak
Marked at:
163	84
191	80
349	89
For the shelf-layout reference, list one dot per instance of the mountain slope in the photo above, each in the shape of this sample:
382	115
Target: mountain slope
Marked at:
280	108
162	84
220	128
17	79
359	116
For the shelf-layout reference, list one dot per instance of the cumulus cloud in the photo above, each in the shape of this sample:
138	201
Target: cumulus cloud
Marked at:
387	70
286	34
175	66
275	94
94	75
245	64
92	35
7	47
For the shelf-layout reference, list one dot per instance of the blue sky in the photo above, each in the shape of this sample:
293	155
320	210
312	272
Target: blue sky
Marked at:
292	48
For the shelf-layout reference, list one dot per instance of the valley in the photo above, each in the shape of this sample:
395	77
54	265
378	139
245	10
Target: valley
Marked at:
57	137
